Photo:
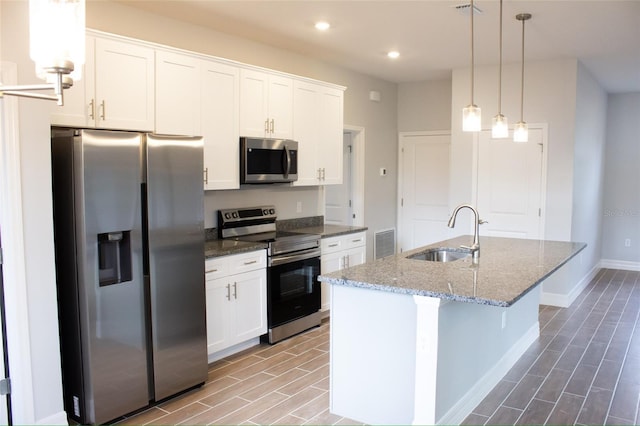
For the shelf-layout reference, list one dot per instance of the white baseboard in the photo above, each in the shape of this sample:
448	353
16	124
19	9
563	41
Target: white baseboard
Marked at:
233	350
481	389
565	300
619	264
59	418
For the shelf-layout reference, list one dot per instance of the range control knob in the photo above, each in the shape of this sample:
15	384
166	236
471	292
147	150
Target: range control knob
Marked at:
235	215
227	215
265	212
272	211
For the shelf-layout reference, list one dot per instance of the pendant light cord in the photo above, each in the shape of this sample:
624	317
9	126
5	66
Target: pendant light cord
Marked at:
522	77
500	68
472	56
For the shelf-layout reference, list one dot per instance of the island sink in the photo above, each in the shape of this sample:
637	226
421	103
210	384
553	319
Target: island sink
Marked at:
443	254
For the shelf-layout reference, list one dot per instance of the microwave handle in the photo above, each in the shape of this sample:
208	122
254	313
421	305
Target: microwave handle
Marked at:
288	167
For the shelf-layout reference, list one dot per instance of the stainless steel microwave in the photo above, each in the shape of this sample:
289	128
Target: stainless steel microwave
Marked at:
264	160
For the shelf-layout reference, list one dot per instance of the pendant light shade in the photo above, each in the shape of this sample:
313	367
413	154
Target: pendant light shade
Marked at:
500	124
471	114
521	130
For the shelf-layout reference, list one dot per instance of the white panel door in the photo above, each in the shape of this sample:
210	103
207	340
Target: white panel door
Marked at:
338	210
280	107
254	107
510	185
424	189
249	290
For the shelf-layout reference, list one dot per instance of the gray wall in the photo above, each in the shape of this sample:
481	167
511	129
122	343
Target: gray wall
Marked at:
588	168
378	118
424	105
621	212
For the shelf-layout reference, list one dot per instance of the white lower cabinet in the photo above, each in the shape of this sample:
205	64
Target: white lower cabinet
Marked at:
339	253
236	288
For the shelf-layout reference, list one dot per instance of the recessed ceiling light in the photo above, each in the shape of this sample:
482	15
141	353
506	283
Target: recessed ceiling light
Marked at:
322	26
393	54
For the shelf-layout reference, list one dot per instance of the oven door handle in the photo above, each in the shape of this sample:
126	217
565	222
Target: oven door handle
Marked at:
307	254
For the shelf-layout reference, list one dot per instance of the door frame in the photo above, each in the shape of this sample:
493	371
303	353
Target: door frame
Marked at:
14	266
357	172
399	200
544	127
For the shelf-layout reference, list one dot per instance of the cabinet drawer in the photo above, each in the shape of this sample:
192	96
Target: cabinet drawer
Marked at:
355	240
235	264
331	245
248	262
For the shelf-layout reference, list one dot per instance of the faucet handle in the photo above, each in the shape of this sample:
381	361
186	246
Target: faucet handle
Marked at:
482	222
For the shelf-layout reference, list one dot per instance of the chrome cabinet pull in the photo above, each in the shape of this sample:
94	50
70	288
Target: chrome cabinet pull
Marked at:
272	127
323	173
92	110
251	262
333	245
228	291
235	290
266	125
103	110
210	270
206	175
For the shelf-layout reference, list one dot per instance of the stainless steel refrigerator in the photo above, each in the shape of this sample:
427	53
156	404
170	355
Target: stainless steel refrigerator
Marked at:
129	238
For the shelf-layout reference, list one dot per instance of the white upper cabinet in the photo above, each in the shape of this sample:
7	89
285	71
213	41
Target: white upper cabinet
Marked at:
220	125
119	88
266	105
318	127
177	94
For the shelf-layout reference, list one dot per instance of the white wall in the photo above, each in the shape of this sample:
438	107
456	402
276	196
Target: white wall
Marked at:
424	105
378	118
621	212
550	95
42	327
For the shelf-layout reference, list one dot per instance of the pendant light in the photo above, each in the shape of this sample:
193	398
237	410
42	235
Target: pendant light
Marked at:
471	118
500	126
521	130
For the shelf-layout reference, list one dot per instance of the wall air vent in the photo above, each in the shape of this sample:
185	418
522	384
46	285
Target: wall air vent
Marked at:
385	243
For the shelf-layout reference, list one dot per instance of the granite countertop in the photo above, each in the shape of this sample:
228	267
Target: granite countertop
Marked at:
507	269
327	231
217	248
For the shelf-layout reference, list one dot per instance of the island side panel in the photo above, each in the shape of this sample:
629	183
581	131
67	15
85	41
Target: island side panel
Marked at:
477	345
373	353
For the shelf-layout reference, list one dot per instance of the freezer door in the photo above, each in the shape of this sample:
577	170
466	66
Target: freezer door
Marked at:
107	173
175	214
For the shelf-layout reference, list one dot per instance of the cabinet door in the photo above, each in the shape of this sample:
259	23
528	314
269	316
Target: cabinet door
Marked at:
280	107
356	256
79	104
219	304
124	94
330	130
177	94
220	112
329	263
249	292
254	106
305	131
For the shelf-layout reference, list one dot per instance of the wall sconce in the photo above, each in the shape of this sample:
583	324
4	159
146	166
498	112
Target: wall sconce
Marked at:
57	46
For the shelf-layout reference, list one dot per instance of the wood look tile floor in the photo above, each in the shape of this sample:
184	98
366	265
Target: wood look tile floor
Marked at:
584	369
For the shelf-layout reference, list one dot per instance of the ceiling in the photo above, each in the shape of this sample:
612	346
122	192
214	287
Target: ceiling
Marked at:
432	36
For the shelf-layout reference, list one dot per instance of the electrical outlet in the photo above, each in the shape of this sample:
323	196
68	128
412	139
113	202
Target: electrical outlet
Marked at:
627	242
299	207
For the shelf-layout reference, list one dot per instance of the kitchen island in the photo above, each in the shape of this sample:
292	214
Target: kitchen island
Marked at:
422	342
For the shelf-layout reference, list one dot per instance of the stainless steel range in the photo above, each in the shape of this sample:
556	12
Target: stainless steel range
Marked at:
293	260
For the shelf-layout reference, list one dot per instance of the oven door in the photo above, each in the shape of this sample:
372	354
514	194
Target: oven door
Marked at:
293	290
